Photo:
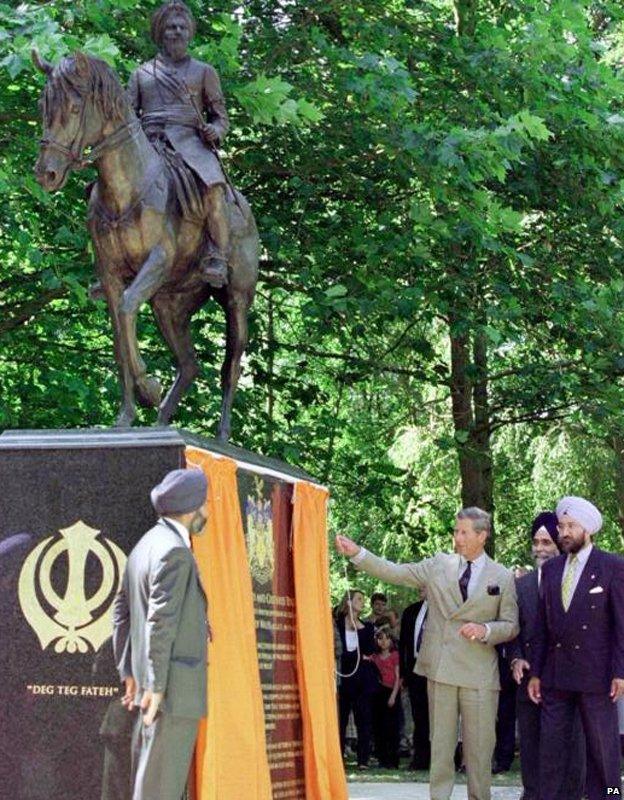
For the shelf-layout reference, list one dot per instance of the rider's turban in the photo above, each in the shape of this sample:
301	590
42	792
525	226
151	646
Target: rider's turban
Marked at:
162	14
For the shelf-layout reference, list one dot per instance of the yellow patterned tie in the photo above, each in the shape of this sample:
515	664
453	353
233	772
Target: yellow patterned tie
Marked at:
568	582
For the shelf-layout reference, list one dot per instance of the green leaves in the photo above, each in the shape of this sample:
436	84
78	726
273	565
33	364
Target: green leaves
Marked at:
267	101
412	188
102	46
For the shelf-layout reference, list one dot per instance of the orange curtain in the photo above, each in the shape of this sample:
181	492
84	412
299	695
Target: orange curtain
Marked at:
324	770
231	757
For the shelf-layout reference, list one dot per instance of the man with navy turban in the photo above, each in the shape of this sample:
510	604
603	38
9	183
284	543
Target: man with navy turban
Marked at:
160	638
578	655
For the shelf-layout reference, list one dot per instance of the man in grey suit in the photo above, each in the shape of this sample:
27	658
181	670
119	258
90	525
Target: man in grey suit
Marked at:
160	638
472	608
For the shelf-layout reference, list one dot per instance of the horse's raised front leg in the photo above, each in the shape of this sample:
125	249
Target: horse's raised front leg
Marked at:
236	341
173	313
113	288
149	279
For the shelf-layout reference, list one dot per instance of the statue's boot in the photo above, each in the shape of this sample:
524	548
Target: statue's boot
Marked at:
214	271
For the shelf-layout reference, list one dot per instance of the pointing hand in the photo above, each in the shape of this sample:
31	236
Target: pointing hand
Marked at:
346	547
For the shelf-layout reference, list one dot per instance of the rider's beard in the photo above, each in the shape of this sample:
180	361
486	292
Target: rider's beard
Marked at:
175	48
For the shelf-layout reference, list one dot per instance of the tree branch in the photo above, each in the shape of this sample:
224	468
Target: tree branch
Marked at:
28	310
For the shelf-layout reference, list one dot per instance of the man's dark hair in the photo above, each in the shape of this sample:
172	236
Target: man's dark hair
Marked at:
162	14
378	596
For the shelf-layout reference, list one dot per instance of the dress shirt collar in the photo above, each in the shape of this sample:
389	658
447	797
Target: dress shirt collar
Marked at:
582	555
478	562
180	529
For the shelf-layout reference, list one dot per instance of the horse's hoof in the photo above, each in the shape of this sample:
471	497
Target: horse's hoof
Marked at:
124	419
148	392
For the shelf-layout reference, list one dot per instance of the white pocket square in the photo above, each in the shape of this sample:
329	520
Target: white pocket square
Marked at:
596	590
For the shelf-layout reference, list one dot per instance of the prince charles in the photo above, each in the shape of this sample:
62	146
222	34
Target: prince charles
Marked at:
472	608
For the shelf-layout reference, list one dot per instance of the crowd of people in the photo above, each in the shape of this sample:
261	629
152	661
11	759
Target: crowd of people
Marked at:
374	663
490	660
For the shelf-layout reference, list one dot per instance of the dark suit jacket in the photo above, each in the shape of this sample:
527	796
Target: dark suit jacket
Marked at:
406	640
581	650
367	676
522	646
159	623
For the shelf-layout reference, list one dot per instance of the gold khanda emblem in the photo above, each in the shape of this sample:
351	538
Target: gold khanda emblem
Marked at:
75	621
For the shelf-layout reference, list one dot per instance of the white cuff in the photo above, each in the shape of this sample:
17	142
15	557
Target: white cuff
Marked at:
359	557
488	631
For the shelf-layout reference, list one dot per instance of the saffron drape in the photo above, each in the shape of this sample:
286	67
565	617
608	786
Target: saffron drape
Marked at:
231	758
324	770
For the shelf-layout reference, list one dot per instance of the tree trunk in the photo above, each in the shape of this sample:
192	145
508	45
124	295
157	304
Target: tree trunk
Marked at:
465	17
482	433
270	372
469	399
617	443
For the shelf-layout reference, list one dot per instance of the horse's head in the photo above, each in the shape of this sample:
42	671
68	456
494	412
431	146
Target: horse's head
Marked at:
81	100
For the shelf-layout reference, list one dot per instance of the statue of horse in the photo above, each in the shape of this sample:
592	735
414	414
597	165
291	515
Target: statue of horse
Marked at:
146	249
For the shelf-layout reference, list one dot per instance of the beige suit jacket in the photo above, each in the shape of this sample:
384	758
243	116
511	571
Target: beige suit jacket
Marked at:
445	656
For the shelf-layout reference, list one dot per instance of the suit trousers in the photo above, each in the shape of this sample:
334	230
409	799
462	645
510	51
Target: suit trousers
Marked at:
600	724
354	696
477	709
162	756
505	749
529	731
417	688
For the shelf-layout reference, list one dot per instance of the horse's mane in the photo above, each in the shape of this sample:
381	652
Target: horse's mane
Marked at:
101	83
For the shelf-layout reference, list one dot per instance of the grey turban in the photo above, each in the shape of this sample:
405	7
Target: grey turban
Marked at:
581	510
13	551
180	492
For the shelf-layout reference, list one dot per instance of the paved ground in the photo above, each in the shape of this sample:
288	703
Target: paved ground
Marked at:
418	791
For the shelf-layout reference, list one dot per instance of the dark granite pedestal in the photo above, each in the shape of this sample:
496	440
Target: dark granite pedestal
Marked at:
72	505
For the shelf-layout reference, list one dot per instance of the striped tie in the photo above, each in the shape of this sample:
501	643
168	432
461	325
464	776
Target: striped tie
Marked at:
568	582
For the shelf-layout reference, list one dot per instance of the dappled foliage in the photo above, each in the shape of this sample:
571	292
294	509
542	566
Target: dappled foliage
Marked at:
438	188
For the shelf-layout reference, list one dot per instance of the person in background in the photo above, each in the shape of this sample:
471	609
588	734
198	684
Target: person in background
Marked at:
337	649
544	546
358	679
505	748
379	605
394	619
472	608
412	631
578	654
386	702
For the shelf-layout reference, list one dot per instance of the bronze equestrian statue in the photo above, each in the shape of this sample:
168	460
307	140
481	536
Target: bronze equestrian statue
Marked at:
167	225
